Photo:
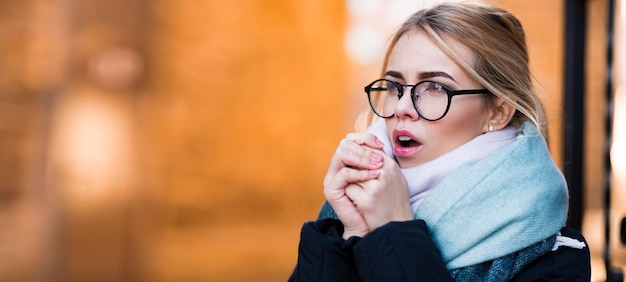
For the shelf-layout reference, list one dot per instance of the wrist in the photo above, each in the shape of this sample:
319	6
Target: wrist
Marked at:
348	234
405	215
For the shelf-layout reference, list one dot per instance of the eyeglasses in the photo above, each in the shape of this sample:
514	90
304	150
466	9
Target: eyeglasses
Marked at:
430	99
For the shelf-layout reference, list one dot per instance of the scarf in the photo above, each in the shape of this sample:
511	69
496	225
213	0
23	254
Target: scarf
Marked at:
507	201
499	209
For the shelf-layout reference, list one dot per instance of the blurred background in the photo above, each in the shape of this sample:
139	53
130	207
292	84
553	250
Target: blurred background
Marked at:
169	140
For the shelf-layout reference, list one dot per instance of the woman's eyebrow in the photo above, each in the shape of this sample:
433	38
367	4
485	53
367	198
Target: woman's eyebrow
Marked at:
431	74
421	75
394	74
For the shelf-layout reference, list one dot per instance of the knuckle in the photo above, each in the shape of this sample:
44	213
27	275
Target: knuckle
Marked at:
352	175
326	183
345	173
364	156
364	173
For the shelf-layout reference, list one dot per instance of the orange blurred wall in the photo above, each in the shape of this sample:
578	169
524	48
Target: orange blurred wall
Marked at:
172	140
241	113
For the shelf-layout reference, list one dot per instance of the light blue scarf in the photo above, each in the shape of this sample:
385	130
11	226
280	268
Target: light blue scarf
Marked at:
512	199
507	201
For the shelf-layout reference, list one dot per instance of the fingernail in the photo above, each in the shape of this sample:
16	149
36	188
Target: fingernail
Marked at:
376	159
379	142
372	172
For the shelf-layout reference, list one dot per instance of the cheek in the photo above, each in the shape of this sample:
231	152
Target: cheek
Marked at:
462	123
469	113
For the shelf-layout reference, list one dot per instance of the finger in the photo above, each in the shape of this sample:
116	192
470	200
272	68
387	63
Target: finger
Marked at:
334	185
352	154
367	139
358	196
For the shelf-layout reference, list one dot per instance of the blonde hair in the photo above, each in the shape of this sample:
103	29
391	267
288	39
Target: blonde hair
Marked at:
498	42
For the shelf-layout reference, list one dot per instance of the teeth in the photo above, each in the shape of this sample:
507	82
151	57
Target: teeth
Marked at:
404	138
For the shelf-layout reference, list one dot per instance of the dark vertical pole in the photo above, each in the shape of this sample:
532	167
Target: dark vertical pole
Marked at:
574	99
608	128
612	274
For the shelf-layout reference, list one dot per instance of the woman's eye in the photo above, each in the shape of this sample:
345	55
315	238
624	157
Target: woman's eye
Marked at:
434	87
393	89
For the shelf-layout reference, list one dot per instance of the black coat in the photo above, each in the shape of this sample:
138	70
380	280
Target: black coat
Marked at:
404	251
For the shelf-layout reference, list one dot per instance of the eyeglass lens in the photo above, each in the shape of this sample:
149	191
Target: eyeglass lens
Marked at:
430	98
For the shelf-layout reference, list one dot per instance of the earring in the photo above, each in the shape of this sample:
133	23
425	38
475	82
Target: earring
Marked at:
490	127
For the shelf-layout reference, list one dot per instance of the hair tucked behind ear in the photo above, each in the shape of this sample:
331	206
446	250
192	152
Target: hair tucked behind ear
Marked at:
498	42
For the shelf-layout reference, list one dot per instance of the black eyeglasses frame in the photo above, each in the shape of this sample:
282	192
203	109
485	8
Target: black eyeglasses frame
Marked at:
449	91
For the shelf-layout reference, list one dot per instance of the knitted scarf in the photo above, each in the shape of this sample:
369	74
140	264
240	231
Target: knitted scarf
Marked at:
494	214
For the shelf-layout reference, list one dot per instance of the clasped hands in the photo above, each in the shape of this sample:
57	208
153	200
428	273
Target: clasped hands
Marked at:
365	187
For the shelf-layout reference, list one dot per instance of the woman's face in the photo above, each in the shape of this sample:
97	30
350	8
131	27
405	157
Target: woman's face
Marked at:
415	58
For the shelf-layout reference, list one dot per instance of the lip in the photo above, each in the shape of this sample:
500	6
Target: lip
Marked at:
400	151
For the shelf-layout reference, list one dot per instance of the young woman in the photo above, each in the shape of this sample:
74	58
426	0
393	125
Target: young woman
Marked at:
455	183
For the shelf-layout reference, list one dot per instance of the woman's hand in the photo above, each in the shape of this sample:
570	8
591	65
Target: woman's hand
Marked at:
357	159
383	199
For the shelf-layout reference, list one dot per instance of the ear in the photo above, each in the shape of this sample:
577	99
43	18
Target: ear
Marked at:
499	115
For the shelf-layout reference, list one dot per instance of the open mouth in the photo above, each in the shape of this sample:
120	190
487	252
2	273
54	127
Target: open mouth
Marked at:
406	141
405	144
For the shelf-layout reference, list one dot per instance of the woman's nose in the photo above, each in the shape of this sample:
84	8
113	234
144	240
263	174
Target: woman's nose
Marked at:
405	107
